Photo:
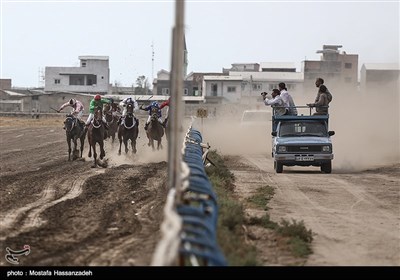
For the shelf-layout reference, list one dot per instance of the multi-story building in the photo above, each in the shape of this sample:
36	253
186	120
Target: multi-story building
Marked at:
338	69
92	76
377	76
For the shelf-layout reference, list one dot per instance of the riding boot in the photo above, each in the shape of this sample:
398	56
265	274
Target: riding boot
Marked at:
145	126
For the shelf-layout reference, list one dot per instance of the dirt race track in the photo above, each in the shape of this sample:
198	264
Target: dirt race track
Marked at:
72	214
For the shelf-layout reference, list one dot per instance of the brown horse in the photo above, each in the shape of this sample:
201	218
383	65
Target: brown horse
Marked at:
128	130
74	131
112	121
96	135
155	131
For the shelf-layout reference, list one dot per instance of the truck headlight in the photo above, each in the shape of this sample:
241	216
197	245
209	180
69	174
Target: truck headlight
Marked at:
326	148
282	149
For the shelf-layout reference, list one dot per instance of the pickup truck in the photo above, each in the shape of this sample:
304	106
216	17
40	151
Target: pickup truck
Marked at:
302	140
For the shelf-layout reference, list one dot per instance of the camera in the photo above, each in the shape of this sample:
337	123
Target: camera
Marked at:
263	93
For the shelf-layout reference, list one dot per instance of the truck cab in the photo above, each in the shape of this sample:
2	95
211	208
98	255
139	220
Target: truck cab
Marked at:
302	140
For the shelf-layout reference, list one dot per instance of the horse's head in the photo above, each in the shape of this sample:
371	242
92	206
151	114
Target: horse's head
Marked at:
98	114
69	122
154	110
154	117
107	107
129	109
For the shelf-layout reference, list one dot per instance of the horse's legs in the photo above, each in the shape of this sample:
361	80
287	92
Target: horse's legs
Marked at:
102	152
82	139
126	144
94	156
133	142
69	147
120	143
75	148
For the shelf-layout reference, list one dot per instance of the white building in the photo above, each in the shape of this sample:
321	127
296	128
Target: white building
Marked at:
92	76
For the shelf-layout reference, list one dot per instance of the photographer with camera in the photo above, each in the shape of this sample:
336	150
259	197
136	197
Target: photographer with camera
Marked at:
275	101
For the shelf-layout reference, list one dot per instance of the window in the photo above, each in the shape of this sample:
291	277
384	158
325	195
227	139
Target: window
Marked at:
272	86
165	91
56	81
231	89
83	63
195	91
76	80
257	86
35	97
185	91
91	80
347	65
214	89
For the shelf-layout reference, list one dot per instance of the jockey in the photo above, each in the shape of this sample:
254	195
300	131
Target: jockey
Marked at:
96	101
153	106
114	107
124	104
77	109
164	104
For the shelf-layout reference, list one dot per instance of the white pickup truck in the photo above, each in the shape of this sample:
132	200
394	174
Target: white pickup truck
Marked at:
302	140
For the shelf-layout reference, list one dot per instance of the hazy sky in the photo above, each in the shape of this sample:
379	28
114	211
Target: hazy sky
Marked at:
35	34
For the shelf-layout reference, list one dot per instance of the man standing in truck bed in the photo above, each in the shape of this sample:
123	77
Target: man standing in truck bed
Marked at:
321	105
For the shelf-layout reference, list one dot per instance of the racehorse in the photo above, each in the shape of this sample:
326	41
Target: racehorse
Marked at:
96	135
128	130
155	131
73	131
112	121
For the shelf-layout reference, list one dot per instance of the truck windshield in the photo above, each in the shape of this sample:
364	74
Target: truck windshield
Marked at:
296	129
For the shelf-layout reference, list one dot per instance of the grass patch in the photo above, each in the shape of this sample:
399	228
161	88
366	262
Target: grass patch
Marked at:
300	237
230	234
262	196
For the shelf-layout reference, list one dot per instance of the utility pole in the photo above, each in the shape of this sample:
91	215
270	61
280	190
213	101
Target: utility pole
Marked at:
176	105
152	61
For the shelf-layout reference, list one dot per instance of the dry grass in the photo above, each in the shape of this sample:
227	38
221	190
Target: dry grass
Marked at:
29	122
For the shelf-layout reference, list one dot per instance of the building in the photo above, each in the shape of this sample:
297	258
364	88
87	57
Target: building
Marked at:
337	68
5	83
377	76
92	76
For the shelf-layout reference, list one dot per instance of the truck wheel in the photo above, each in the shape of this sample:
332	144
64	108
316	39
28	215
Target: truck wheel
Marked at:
326	167
278	167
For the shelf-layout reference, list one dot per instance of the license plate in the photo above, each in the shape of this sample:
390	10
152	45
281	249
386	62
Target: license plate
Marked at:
305	158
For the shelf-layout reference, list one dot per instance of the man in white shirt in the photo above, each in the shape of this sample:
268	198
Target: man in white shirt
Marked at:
276	102
288	100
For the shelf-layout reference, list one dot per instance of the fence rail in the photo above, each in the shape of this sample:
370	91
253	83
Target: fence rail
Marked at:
189	229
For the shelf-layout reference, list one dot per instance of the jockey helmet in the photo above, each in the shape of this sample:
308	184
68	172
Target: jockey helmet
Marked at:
111	100
155	104
72	101
97	97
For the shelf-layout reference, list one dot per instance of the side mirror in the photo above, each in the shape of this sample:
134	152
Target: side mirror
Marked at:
331	133
273	133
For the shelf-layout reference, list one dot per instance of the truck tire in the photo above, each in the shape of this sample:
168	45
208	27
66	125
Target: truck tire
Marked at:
278	167
326	167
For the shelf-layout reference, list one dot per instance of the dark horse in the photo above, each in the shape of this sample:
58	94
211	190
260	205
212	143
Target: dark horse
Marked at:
155	131
112	121
96	135
74	130
129	129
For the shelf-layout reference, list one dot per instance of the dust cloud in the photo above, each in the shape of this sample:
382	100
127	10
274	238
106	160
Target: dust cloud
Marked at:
366	125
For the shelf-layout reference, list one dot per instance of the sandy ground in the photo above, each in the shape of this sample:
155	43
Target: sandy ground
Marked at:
72	214
354	212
